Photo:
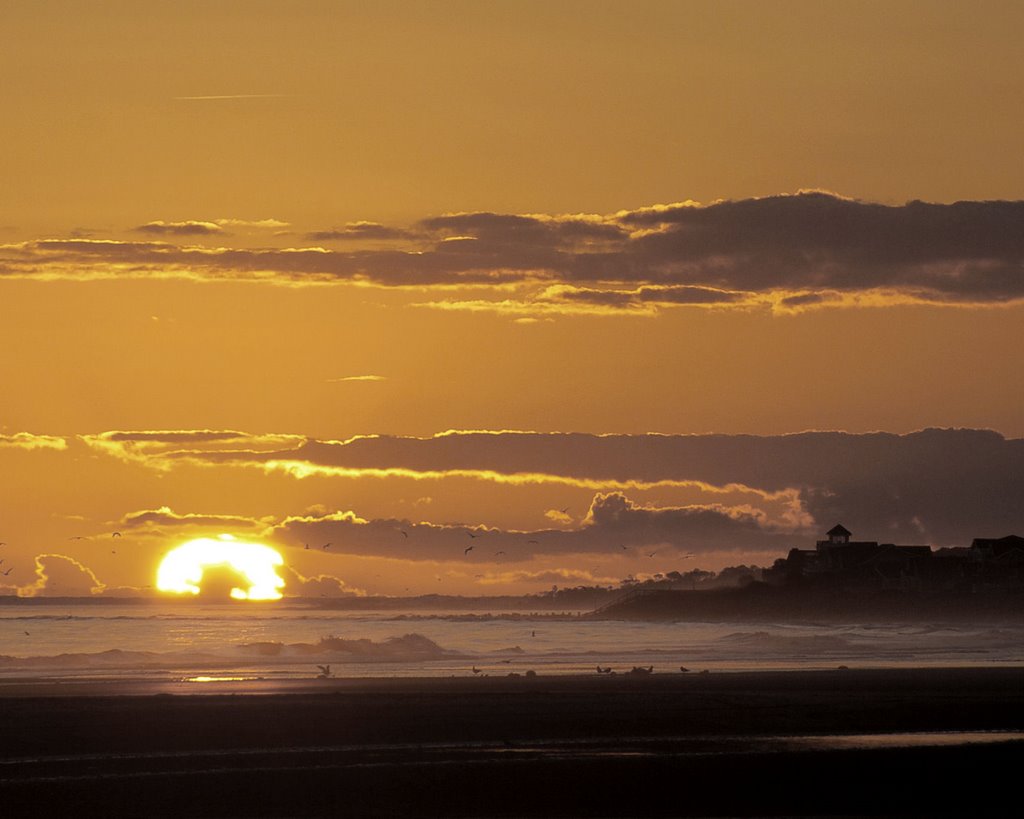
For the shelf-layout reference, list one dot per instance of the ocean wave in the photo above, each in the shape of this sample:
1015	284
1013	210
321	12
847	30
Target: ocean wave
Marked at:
765	641
408	648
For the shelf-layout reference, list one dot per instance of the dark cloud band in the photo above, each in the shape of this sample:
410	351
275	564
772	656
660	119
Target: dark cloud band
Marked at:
938	486
799	248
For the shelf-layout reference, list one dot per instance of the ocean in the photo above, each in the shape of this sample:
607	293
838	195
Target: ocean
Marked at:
69	640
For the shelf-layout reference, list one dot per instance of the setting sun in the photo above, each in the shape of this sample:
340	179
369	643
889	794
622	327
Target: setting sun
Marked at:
182	569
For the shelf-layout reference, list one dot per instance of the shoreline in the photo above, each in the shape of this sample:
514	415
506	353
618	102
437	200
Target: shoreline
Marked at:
543	746
835	677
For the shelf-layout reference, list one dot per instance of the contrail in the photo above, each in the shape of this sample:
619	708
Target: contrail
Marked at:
232	97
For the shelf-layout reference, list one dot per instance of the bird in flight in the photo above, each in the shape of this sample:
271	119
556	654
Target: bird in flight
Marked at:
116	534
325	672
651	554
533	541
404	533
9	570
499	553
471	534
79	537
566	510
622	547
467	550
325	546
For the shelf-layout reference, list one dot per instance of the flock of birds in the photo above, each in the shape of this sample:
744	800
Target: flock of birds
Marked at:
474	535
325	672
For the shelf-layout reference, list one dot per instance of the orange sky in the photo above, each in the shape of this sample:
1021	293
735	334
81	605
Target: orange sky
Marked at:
300	223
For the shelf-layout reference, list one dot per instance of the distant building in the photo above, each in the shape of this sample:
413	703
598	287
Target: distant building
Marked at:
1009	549
837	535
859	562
997	562
990	564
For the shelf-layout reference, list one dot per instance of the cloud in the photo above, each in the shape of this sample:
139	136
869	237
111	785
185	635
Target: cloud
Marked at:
61	576
613	525
361	230
164	517
267	224
652	295
804	251
215	97
161	449
938	486
189	228
546	576
321	585
543	307
558	516
28	440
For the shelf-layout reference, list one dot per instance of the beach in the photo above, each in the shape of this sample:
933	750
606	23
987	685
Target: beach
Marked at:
834	743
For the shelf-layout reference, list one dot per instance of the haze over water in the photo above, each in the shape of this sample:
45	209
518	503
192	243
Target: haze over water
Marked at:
290	641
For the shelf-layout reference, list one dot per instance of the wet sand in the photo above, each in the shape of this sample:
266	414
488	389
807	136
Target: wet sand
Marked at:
663	745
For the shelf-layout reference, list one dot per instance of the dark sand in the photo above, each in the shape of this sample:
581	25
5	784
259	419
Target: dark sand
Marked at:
664	745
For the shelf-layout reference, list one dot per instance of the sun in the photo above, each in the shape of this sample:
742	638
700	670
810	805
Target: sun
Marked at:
181	571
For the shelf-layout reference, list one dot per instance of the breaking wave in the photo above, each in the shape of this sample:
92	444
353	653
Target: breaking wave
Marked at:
408	648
